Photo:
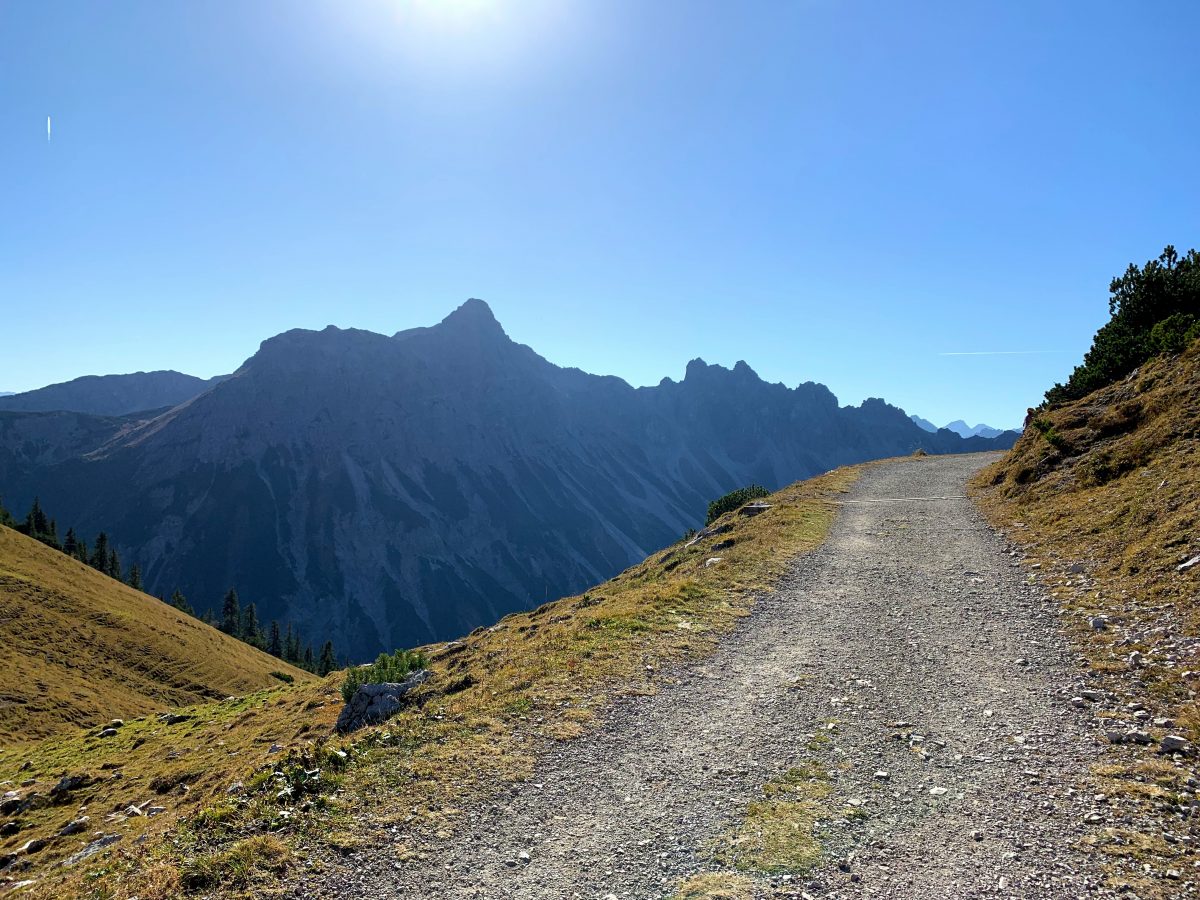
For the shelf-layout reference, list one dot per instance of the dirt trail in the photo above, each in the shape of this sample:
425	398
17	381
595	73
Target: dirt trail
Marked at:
914	611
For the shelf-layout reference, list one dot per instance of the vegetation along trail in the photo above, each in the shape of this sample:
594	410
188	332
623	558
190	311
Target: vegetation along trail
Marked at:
894	721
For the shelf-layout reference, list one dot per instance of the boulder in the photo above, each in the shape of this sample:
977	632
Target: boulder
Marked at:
75	826
91	849
753	509
1174	743
67	784
375	703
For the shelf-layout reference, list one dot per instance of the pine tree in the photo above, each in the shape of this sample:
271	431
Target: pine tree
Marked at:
99	557
251	632
180	603
6	517
114	565
275	646
70	543
36	523
327	663
309	662
51	535
81	553
231	614
135	577
291	646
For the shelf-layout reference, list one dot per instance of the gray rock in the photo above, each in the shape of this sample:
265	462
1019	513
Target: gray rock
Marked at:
74	826
69	783
1174	743
753	509
91	849
708	532
108	732
375	703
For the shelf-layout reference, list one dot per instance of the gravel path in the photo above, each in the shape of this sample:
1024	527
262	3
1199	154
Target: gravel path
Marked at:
916	631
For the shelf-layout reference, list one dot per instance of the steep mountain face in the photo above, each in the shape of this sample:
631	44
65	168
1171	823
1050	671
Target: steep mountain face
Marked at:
393	490
111	395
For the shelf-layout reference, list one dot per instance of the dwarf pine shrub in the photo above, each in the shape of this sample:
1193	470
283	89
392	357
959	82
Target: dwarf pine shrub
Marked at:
733	500
387	668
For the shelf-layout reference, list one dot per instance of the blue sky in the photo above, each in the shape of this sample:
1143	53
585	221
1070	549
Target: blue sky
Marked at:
831	190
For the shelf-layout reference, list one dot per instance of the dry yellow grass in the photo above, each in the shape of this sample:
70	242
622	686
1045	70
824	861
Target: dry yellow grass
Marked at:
81	649
1112	482
494	698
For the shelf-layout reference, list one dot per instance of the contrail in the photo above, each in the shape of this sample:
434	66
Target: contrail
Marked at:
998	352
47	129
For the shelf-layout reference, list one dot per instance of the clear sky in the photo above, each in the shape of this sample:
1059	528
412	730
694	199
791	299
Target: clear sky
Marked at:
831	190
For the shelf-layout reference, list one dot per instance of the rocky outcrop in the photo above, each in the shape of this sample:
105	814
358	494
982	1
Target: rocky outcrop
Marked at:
375	703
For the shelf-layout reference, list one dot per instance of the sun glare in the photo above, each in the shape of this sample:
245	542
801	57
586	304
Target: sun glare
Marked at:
456	38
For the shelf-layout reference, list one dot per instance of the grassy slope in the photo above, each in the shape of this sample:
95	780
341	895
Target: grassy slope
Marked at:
1111	483
495	697
81	649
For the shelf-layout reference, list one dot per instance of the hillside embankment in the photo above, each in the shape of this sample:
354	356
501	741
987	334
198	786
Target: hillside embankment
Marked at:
1103	494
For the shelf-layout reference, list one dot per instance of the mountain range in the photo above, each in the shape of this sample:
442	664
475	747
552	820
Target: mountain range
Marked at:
388	491
961	428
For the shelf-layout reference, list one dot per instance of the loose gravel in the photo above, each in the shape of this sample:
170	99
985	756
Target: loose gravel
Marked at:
911	643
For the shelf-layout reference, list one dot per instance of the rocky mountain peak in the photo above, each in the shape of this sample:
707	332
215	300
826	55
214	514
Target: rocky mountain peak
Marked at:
474	317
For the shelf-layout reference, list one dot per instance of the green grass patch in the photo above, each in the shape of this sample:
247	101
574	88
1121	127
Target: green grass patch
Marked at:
776	835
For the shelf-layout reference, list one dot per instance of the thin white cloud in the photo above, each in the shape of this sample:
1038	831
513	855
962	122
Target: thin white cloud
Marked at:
998	352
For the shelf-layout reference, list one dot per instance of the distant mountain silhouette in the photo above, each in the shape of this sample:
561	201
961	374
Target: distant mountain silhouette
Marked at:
111	395
390	491
959	427
962	429
923	424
